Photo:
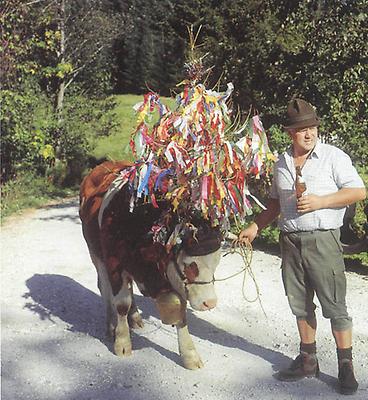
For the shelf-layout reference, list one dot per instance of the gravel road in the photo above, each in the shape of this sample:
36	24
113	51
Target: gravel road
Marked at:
53	343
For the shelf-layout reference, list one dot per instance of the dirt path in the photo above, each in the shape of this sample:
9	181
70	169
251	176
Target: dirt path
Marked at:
53	344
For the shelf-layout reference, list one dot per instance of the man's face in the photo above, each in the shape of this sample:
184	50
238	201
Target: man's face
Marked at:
304	139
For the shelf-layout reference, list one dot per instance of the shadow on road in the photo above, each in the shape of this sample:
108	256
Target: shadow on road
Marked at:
52	295
71	215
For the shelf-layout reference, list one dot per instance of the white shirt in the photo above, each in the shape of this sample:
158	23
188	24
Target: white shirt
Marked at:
326	170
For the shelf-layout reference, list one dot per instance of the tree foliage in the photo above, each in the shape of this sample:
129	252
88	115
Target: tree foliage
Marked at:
147	52
271	50
49	47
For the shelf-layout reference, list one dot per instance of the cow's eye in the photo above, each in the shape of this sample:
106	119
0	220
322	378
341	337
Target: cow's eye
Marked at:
191	271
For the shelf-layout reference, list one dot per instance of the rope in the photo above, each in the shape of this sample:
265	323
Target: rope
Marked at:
245	250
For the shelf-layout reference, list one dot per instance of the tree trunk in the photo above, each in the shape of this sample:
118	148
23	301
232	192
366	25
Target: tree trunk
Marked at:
59	99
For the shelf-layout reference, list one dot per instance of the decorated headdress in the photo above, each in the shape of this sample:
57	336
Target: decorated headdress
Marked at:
195	157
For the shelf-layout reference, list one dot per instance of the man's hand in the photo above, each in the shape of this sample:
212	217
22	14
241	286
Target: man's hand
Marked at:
263	219
248	234
341	198
309	202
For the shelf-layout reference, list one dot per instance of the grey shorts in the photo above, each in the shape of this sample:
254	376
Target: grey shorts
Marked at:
312	263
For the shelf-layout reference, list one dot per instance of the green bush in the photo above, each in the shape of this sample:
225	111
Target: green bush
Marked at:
29	190
84	121
22	144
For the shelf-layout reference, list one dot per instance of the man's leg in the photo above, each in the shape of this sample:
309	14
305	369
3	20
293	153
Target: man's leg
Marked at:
307	329
348	383
326	270
306	364
300	296
343	339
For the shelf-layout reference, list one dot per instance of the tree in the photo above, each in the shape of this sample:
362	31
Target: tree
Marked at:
49	46
83	30
314	49
149	53
19	89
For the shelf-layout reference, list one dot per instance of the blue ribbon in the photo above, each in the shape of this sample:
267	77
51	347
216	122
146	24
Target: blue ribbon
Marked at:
143	187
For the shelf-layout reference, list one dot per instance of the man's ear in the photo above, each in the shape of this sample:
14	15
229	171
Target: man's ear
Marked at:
290	132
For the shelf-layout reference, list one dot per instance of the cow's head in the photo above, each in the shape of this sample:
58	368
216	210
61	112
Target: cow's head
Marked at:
191	273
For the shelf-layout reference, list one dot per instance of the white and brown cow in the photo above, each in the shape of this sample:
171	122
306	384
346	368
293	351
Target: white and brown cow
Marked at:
122	250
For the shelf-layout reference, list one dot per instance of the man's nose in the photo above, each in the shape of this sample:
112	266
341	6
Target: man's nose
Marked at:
309	132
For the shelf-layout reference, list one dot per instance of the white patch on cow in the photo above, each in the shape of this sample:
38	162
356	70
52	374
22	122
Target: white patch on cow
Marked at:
106	294
200	296
117	325
123	301
176	281
140	286
188	353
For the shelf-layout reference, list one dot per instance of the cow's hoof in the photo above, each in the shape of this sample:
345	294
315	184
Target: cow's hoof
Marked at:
191	362
122	348
135	321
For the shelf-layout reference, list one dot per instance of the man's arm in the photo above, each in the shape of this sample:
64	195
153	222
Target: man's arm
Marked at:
341	198
261	221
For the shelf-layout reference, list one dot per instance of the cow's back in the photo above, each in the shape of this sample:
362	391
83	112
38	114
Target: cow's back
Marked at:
95	185
92	190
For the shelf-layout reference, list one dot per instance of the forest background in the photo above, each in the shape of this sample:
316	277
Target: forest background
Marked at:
72	69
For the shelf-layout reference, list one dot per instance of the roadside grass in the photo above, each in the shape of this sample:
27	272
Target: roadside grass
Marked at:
356	261
29	191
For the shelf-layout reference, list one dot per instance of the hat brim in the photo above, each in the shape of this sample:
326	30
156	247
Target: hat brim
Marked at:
303	124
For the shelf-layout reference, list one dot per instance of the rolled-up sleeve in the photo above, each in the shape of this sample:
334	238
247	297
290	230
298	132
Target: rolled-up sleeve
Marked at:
345	174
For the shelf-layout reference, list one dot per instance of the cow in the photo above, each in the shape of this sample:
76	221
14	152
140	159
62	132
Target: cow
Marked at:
122	249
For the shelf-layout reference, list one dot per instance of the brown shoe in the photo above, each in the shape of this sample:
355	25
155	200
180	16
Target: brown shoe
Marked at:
347	382
305	365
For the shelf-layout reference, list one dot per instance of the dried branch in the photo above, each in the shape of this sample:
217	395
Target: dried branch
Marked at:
79	69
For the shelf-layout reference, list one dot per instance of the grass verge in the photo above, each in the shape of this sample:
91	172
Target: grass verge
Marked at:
29	191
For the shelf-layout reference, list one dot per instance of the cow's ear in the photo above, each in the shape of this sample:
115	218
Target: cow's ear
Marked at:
191	271
190	242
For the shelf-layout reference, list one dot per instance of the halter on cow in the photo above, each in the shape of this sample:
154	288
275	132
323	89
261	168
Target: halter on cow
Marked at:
122	249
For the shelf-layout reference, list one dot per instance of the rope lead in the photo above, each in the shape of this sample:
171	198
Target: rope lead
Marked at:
245	250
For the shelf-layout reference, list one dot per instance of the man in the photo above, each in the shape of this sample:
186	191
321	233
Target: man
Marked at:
312	261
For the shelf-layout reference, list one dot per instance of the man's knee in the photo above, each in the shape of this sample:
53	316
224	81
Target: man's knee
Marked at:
341	324
309	319
301	308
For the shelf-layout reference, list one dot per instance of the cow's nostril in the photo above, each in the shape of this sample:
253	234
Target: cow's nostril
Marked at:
211	303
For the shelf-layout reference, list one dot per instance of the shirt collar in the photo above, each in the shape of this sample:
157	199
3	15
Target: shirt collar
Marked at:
317	149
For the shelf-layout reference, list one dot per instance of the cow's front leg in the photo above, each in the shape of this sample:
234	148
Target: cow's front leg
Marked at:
188	352
122	302
122	344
